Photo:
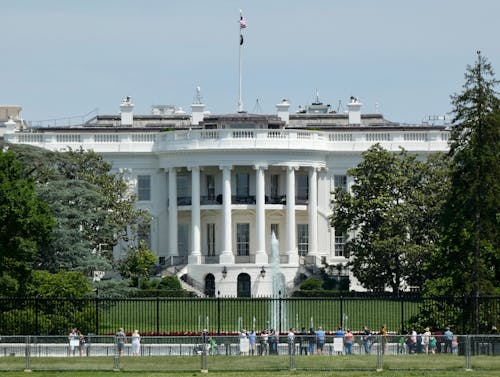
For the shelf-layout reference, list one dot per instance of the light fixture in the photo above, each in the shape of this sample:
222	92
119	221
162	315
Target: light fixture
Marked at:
263	272
224	272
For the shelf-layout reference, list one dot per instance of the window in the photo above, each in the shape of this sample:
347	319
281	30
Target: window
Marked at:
302	187
210	187
183	190
143	187
242	185
302	239
243	239
275	181
211	239
144	234
341	182
339	244
183	239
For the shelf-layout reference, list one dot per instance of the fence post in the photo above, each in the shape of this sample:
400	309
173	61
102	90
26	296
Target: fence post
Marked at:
291	351
28	354
402	314
279	311
341	312
97	311
467	353
36	316
116	357
157	314
204	353
218	312
380	353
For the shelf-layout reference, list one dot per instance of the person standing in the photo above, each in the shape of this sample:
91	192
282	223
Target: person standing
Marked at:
348	337
291	341
252	341
448	337
136	343
320	340
339	334
73	341
81	342
121	339
273	342
264	340
312	340
367	340
383	333
426	337
304	345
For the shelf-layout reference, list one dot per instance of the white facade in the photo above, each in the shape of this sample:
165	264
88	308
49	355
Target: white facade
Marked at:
217	188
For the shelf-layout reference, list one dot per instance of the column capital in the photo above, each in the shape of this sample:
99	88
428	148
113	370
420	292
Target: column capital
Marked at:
292	167
260	166
222	167
193	167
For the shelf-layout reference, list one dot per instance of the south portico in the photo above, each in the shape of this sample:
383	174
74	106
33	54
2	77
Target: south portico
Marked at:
243	217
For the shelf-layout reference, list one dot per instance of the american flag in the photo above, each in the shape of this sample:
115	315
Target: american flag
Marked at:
243	22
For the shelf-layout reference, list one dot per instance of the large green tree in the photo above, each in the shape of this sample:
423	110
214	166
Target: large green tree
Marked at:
93	207
391	215
25	224
468	258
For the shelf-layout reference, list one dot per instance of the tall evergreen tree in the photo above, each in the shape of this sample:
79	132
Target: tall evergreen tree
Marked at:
468	259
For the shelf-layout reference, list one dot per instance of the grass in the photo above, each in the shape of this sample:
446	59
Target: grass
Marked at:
357	373
419	365
227	315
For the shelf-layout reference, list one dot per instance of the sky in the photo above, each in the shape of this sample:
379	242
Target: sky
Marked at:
402	58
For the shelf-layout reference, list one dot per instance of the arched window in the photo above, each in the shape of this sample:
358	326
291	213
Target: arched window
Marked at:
210	285
244	285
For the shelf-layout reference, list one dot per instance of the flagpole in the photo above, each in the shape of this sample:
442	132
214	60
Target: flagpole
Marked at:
240	101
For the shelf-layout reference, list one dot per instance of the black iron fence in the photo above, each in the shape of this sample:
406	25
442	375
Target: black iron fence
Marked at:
220	315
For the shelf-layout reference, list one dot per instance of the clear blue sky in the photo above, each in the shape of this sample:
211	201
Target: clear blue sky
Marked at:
65	58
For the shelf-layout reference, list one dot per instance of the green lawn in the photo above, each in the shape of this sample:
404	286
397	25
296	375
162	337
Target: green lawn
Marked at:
227	315
357	373
304	365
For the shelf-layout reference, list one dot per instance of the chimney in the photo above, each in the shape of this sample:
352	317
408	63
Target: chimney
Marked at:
354	110
283	111
197	108
10	126
126	112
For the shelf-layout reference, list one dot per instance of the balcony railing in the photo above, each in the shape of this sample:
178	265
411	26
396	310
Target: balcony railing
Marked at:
205	200
412	138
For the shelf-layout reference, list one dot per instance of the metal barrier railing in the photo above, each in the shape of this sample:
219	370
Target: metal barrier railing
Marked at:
211	352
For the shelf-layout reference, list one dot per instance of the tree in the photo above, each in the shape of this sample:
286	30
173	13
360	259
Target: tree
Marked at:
25	224
390	215
79	207
94	208
469	252
138	263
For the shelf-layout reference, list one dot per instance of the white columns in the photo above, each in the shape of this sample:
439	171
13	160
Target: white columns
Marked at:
172	212
313	212
290	215
195	256
226	256
260	216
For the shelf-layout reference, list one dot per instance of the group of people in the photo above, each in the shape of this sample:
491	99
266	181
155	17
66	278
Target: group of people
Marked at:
426	342
76	341
121	340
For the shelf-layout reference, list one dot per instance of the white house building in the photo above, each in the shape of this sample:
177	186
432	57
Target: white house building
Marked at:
219	186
